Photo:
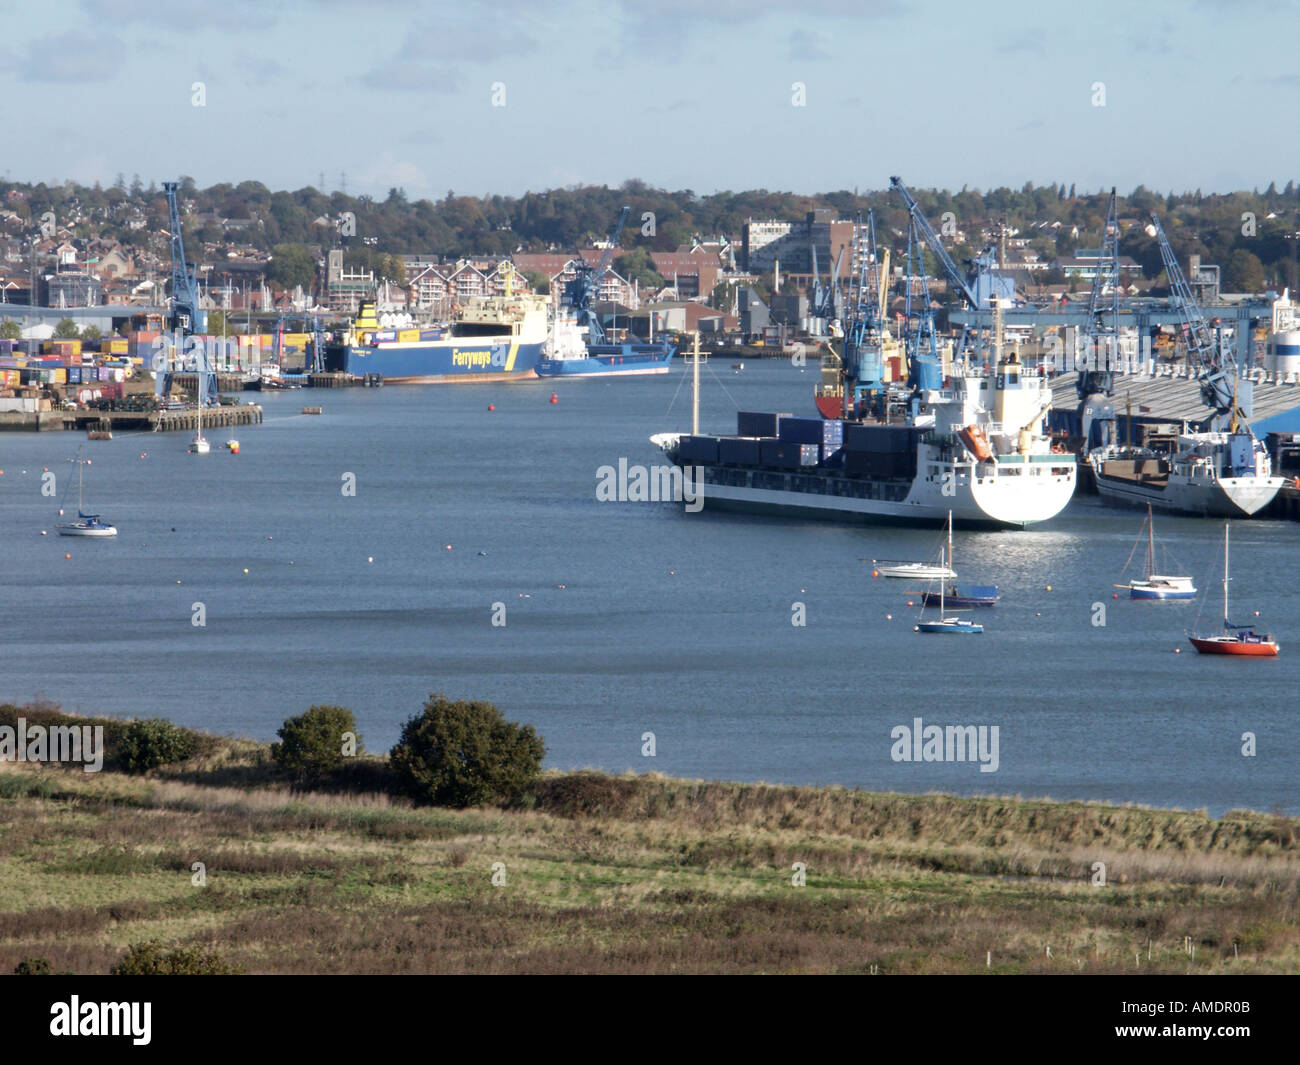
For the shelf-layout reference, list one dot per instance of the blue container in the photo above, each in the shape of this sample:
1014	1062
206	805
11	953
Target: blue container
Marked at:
697	449
74	375
739	450
756	423
801	430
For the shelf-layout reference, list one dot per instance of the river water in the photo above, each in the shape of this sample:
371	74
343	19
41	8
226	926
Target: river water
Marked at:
623	619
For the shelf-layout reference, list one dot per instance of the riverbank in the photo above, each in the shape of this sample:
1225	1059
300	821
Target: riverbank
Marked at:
621	874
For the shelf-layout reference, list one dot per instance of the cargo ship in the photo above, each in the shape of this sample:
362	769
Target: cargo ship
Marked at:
975	447
1214	474
491	338
567	353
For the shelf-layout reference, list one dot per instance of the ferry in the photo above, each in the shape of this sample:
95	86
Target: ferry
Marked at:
491	338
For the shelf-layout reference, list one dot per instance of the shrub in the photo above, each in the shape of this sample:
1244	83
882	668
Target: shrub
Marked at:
312	744
150	959
32	967
148	744
465	754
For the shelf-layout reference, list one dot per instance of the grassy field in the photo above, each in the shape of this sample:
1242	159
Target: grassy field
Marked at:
625	874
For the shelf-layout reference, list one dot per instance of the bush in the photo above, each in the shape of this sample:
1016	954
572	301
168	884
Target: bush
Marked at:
32	967
148	744
312	744
465	754
149	959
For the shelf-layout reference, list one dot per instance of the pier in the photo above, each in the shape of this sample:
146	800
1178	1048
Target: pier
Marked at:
110	421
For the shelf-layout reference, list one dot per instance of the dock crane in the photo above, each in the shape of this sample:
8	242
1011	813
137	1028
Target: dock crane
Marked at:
187	317
825	301
1095	381
581	292
1221	390
981	264
924	370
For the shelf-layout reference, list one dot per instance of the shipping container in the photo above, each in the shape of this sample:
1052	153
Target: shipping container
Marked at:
74	375
408	336
800	430
789	456
739	450
758	423
697	449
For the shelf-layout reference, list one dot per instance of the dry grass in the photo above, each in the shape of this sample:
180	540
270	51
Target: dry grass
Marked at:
628	874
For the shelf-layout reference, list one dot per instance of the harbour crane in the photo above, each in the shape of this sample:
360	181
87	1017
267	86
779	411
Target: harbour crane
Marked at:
825	301
1221	390
582	291
982	264
924	370
187	318
1095	381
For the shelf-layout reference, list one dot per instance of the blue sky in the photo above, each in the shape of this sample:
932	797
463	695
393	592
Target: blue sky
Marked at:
680	93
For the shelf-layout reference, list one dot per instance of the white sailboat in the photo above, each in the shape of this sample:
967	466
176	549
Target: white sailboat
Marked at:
91	525
199	443
1157	585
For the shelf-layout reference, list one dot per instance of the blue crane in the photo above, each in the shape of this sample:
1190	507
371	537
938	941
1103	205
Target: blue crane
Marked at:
923	227
582	291
824	303
924	369
863	368
1095	381
1217	374
188	318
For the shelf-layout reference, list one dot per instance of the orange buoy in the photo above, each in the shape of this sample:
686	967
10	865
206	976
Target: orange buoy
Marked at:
875	573
1178	650
492	406
910	603
67	556
555	397
1114	595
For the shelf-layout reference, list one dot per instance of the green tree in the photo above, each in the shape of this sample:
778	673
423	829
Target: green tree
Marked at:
1243	272
10	330
465	754
538	281
636	265
153	742
66	330
91	332
313	745
291	264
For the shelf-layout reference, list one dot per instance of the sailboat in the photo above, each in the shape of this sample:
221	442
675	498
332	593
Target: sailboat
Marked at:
975	594
1157	586
86	524
1234	639
949	626
199	444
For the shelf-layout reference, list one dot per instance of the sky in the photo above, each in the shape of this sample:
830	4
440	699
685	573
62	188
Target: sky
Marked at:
708	95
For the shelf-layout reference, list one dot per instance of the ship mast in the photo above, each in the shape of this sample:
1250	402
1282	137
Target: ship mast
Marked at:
1227	525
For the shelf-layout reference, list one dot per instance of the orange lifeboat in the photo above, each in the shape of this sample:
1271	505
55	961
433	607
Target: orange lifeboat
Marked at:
973	437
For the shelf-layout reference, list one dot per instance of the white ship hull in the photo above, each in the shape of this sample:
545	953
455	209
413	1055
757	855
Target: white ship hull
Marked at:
998	499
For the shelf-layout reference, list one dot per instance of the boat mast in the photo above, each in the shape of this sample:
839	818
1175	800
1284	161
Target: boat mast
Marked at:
942	582
1151	543
695	386
1226	526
